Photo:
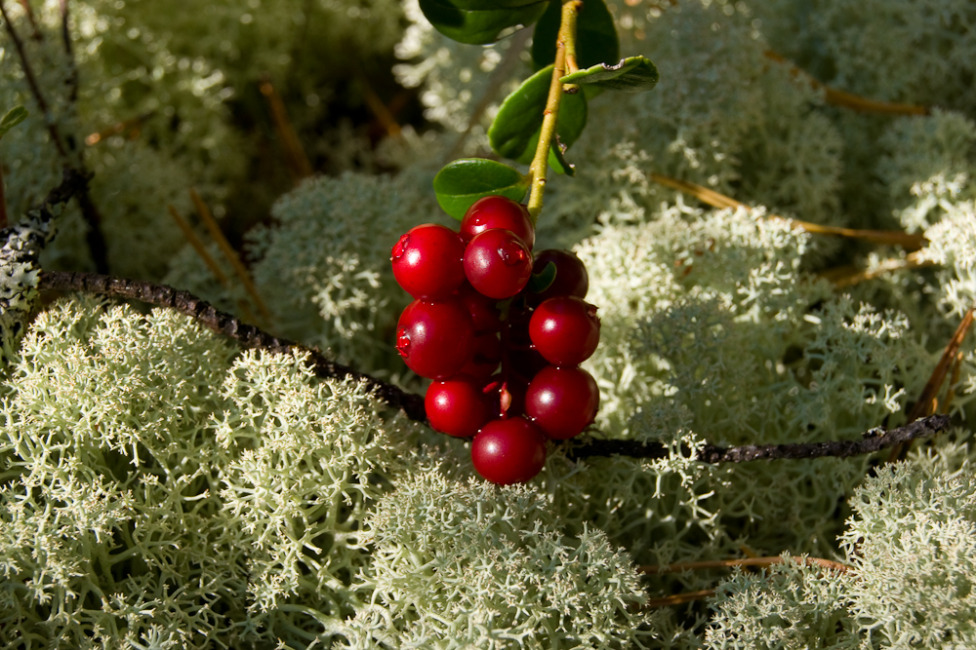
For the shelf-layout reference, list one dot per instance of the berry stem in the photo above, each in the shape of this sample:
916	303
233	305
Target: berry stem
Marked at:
565	43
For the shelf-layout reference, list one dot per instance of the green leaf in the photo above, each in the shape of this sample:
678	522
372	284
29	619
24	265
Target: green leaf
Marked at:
14	116
464	181
635	73
596	35
514	133
542	280
480	21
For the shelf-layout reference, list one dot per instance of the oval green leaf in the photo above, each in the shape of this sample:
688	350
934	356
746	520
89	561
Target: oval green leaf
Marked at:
12	118
634	74
479	22
596	35
464	181
514	133
539	282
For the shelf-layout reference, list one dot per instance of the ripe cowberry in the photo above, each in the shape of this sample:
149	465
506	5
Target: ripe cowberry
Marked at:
565	330
571	276
456	406
497	263
427	261
498	212
562	401
435	339
509	451
483	310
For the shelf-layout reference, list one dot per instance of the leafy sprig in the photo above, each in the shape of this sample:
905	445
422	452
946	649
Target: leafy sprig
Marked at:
547	113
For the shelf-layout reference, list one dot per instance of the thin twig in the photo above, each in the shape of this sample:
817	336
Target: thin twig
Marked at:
4	219
298	160
679	599
928	401
744	562
842	98
132	125
715	199
94	237
235	261
870	442
540	161
246	335
848	276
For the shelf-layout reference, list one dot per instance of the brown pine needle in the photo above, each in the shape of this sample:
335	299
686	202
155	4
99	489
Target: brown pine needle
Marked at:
130	128
844	99
721	201
848	276
218	236
744	562
928	401
679	599
382	113
295	154
198	246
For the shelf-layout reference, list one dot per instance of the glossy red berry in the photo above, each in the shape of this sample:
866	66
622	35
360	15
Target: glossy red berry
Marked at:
427	262
565	330
562	401
435	339
497	263
498	212
571	276
456	406
509	451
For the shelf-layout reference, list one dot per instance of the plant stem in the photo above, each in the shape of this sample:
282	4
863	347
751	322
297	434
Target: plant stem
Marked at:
565	41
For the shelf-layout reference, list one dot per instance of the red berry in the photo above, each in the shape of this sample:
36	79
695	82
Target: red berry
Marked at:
565	330
427	262
497	263
484	310
498	212
435	339
562	401
571	276
456	406
509	451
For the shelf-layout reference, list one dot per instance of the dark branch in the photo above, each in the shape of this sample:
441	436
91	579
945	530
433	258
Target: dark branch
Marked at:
222	323
413	405
71	158
870	442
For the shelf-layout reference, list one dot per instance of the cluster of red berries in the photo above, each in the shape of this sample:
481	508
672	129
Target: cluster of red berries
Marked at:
503	352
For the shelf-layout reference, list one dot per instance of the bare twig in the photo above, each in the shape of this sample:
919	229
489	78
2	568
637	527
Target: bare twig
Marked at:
294	152
845	99
718	200
70	156
246	335
870	442
848	276
679	599
235	261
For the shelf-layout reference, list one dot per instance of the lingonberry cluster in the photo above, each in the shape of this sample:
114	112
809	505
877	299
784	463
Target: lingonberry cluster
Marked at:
500	334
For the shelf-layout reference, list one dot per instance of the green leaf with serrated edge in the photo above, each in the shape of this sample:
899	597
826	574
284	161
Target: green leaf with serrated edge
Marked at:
464	181
542	280
12	118
596	35
515	130
478	22
635	73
